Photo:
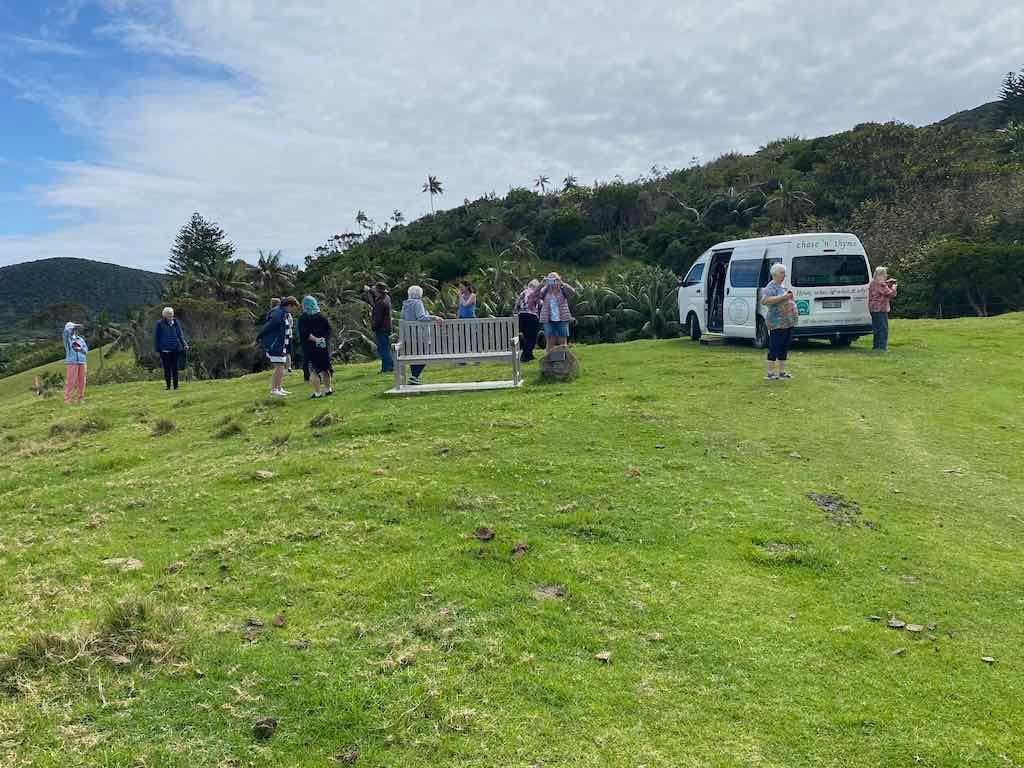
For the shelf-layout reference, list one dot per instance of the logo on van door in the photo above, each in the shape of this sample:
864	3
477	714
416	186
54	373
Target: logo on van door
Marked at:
803	307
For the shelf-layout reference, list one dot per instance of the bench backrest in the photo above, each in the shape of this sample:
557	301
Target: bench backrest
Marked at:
457	337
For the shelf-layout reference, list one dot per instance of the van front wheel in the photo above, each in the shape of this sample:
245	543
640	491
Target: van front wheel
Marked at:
761	335
694	327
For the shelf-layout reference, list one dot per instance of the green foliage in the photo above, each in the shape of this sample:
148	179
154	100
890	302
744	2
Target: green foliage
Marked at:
200	248
38	297
1012	96
15	358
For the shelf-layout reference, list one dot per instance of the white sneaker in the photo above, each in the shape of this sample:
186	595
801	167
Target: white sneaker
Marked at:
415	380
278	393
284	391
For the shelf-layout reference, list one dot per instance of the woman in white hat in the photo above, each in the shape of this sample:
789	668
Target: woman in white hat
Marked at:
76	355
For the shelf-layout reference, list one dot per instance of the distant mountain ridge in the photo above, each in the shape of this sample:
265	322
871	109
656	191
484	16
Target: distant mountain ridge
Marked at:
29	288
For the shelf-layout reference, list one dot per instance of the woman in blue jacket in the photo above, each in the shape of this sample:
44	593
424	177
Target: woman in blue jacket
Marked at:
272	339
76	354
169	342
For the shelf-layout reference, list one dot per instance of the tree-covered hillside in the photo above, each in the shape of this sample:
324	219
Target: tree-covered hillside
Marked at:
40	296
920	198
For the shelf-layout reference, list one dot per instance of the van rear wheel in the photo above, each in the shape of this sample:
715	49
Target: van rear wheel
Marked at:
842	341
761	335
693	325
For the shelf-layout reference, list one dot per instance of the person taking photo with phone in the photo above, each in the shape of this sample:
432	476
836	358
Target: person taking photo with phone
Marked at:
780	318
880	293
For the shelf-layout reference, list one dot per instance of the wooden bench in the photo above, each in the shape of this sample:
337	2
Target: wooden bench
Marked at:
480	340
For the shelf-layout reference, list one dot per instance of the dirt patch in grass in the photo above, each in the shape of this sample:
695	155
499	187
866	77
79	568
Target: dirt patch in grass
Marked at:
551	592
839	510
132	633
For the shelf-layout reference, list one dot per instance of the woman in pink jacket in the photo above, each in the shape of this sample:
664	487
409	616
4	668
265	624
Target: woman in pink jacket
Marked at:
881	290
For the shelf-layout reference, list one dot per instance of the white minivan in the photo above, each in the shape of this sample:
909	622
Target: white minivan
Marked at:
828	273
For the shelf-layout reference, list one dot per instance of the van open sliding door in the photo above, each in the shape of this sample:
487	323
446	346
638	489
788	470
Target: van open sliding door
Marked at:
717	284
741	291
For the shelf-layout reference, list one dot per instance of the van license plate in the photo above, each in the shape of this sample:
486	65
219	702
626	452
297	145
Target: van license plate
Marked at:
832	304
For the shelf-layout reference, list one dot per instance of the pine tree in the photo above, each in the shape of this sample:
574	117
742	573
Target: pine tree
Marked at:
200	247
1012	96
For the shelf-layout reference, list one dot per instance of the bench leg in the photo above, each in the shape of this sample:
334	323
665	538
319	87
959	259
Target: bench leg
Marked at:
399	368
517	375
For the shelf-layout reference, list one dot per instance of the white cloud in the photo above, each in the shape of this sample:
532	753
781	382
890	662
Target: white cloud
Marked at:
316	109
44	46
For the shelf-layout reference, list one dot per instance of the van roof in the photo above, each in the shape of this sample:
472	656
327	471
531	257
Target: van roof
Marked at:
780	239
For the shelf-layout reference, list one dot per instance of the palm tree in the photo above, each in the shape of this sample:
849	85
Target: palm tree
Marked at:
789	202
131	335
105	330
362	218
228	282
598	309
650	299
569	182
433	186
541	183
397	216
520	249
270	275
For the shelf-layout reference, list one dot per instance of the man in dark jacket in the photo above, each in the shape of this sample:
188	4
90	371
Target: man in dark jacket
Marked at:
272	339
169	342
380	322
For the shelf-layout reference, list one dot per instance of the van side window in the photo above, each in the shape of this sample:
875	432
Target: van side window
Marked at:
745	273
694	275
766	271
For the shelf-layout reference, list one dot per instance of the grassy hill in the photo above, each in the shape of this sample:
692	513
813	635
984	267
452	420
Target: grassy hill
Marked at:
29	288
161	594
20	383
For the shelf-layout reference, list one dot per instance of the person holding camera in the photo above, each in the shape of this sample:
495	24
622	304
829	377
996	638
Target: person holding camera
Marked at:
780	318
554	310
880	292
380	322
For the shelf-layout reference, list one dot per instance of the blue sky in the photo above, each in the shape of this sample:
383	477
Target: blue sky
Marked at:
279	120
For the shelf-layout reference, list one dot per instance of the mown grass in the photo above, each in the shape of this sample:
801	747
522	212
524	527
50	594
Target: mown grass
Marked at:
328	572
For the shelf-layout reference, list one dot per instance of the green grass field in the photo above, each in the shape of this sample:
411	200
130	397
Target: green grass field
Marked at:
329	576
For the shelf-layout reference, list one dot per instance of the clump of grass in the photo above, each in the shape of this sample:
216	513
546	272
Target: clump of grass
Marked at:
279	441
130	633
230	429
323	419
90	424
778	553
96	423
163	427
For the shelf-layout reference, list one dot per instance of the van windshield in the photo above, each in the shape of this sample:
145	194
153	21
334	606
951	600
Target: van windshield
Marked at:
829	269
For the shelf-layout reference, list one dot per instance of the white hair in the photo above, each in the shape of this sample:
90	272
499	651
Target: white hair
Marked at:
415	292
881	271
167	311
778	268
